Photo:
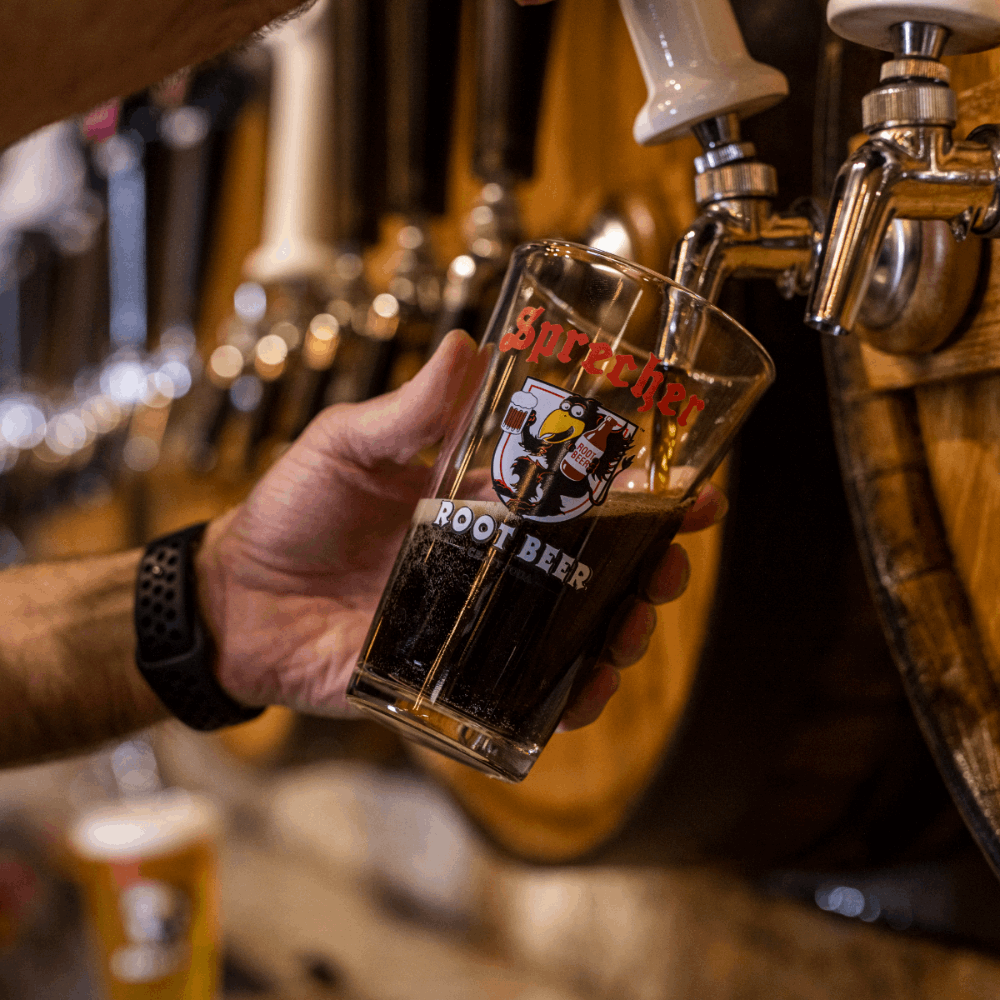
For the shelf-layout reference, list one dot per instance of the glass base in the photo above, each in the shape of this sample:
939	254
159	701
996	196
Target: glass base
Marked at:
456	736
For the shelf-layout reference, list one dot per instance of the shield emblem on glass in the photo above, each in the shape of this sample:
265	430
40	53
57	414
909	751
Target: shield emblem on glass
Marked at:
558	452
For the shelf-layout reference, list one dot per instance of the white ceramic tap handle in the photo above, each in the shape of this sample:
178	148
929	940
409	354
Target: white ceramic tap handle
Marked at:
695	66
974	24
297	231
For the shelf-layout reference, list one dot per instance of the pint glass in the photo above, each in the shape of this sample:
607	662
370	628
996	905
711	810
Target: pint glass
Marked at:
148	869
610	394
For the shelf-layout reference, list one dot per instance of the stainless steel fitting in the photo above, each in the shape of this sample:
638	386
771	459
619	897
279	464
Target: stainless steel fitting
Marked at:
743	179
738	233
911	168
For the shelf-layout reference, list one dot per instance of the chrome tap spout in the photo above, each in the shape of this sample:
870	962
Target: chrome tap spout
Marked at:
738	234
861	210
746	238
911	172
699	260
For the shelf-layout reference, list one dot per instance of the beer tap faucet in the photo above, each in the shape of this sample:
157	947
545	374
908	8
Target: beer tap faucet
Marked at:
512	45
421	61
911	167
708	82
701	78
739	234
295	337
287	272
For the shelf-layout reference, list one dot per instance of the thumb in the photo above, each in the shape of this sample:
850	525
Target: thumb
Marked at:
396	426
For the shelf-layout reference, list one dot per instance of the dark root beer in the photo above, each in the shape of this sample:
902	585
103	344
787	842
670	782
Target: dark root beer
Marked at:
489	619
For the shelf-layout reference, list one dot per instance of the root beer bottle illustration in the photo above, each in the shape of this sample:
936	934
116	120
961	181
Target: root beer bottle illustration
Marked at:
589	450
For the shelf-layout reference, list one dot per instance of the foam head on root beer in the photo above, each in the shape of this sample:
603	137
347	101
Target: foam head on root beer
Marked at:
558	459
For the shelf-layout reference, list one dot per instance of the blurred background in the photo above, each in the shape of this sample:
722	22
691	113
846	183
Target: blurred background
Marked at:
188	275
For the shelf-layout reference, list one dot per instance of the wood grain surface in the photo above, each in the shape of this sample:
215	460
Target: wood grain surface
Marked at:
920	442
960	418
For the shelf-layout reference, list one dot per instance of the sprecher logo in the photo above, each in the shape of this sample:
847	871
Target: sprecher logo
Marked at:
558	452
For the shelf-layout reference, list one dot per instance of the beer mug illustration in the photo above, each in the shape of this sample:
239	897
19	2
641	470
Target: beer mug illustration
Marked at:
148	870
520	408
610	396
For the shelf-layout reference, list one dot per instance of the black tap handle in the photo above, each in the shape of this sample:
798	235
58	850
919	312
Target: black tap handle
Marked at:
358	29
60	307
193	141
422	58
173	285
36	271
512	49
79	325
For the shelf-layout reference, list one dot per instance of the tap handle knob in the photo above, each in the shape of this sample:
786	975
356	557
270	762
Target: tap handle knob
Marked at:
297	231
512	45
695	65
421	60
972	25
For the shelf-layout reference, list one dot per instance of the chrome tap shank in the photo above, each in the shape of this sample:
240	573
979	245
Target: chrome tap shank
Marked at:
910	168
738	234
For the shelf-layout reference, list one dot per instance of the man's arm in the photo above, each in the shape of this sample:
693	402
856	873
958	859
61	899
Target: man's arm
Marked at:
288	582
61	57
68	679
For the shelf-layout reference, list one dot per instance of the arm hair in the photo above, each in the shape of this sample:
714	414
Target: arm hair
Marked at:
68	679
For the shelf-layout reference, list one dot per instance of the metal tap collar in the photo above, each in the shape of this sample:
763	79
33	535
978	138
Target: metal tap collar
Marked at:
908	103
907	67
743	179
721	155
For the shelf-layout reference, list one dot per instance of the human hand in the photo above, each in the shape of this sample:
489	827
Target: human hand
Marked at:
630	635
289	581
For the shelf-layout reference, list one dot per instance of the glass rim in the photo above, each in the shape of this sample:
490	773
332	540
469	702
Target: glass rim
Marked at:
620	263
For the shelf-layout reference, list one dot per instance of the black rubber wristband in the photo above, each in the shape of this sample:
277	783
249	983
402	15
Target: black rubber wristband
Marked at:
175	652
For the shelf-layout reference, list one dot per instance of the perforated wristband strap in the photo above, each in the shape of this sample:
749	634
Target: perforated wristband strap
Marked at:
175	652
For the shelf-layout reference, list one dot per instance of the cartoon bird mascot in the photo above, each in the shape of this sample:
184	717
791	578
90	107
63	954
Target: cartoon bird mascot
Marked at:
541	485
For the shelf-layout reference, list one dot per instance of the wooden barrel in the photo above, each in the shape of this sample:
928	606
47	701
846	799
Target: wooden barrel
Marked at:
919	442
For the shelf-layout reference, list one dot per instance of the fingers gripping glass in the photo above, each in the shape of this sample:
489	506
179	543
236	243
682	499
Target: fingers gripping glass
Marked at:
610	396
